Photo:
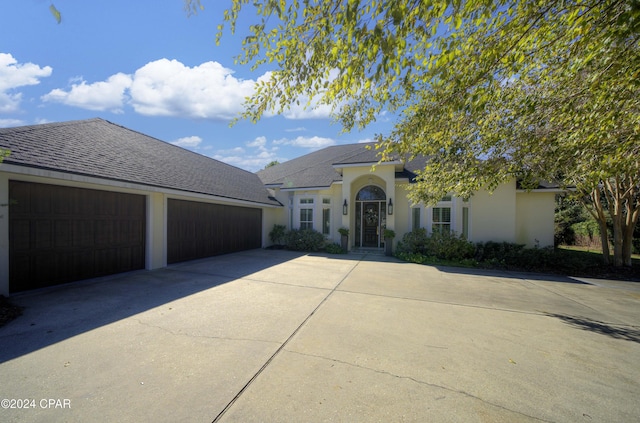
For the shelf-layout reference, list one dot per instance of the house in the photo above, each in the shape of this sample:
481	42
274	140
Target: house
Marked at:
345	186
89	198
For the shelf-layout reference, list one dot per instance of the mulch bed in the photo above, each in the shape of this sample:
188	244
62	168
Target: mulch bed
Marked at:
8	311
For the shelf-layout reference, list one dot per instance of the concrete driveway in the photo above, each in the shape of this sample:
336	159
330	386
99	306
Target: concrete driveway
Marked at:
276	336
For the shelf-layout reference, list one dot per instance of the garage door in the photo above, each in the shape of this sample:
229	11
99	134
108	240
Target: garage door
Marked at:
62	234
197	230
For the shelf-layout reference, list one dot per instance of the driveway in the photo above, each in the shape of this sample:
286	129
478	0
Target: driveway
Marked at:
277	336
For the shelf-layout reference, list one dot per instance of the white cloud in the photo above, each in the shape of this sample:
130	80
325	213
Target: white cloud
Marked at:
169	88
14	75
259	142
105	95
313	111
189	142
258	156
8	123
298	129
307	142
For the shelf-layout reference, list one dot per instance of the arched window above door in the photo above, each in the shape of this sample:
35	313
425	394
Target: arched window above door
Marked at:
371	193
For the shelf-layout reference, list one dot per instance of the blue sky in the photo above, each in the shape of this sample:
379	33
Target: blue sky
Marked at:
147	66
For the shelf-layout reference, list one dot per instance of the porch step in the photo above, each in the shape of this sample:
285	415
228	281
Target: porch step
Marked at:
370	251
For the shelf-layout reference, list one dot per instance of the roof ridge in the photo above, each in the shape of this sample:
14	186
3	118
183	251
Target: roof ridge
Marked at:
320	162
356	153
34	126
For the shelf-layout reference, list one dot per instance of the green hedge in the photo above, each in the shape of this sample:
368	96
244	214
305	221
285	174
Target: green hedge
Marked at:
441	245
304	240
447	248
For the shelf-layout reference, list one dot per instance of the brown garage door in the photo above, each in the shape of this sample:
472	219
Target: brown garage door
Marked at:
197	230
62	234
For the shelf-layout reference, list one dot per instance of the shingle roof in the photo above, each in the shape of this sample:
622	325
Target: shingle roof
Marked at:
98	148
317	169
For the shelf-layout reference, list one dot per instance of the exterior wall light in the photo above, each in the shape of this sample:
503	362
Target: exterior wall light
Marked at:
390	207
345	207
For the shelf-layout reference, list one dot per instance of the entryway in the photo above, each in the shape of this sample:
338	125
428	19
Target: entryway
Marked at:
371	217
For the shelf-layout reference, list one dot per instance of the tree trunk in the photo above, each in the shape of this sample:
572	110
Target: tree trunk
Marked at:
614	203
600	217
617	241
604	239
631	220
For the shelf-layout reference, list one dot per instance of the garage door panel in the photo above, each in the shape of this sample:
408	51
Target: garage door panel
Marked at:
197	230
20	237
83	235
89	236
105	232
63	234
42	236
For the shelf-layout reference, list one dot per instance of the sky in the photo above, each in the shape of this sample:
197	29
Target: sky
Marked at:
148	66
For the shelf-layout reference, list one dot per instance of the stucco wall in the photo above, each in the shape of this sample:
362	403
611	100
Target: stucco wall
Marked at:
272	217
402	212
493	216
156	248
535	218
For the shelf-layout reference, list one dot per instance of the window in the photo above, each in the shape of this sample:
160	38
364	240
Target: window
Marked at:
441	221
465	222
415	218
306	213
326	216
371	193
306	218
290	212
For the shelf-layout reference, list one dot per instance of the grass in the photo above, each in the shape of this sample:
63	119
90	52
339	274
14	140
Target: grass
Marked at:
634	257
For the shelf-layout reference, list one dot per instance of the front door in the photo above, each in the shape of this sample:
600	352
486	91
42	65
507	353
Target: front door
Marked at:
370	224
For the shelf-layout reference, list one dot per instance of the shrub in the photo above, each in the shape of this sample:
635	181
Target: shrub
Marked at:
442	245
334	249
413	242
304	240
448	246
412	257
587	233
277	234
498	252
535	259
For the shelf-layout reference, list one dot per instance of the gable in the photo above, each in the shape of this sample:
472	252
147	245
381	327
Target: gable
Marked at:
320	168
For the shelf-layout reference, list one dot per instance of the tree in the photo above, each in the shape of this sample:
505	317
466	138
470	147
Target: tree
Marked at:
489	90
272	163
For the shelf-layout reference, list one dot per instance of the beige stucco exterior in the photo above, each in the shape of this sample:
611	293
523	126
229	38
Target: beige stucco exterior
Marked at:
534	211
493	215
506	214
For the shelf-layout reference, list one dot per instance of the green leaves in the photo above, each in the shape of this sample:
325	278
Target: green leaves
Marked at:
55	12
489	90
